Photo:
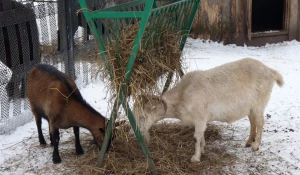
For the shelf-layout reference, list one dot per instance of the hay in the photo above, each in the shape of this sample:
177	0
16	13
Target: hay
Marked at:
171	148
159	53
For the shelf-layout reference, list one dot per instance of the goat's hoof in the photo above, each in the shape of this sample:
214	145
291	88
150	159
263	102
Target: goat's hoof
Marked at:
248	145
255	147
195	159
43	145
56	160
79	151
43	142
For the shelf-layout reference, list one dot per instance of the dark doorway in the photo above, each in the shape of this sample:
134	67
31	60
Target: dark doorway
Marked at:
268	15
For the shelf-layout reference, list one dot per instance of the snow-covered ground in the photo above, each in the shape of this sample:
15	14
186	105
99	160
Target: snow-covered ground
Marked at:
280	149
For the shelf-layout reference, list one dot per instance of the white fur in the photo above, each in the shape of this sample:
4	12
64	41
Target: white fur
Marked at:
225	93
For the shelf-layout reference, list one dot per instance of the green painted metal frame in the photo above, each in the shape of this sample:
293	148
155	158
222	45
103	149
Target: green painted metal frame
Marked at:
114	13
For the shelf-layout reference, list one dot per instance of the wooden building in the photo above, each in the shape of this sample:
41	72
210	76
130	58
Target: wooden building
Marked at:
250	22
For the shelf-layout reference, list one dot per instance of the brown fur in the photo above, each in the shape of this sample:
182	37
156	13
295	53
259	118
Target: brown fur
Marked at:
47	91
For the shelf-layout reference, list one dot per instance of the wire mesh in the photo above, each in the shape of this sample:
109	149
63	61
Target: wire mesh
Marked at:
18	43
33	32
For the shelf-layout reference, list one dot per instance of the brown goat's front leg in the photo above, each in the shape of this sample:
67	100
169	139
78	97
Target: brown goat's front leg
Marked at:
55	141
51	137
78	147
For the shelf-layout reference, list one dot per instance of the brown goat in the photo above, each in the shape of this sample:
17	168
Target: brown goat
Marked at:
54	96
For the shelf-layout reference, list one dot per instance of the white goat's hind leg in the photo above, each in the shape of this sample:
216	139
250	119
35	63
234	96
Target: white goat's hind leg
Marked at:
259	121
202	144
199	133
252	130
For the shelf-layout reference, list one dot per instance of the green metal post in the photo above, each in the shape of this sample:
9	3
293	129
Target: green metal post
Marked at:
137	41
129	67
140	138
108	134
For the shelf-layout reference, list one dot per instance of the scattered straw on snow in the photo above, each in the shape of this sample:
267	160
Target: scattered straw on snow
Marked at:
172	146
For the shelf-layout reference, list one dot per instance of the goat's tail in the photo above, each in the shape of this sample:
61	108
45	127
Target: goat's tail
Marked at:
278	77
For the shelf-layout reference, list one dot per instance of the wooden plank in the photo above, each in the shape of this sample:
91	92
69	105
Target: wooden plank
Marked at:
249	19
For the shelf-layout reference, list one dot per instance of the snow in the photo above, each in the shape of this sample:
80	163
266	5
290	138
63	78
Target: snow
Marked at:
268	31
279	152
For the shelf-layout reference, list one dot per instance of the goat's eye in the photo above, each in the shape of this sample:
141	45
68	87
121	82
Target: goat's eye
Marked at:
102	130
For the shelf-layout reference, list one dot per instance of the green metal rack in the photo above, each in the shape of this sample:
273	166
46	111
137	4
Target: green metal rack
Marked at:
177	16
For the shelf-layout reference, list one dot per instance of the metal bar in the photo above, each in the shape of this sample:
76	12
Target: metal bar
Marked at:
107	27
63	36
147	35
70	65
108	132
186	13
154	5
181	16
117	42
100	14
170	24
168	5
168	82
97	36
124	5
138	38
190	22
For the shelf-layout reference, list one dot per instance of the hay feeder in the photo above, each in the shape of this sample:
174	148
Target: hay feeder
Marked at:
139	42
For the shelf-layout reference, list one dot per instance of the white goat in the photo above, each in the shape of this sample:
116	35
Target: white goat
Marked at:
225	93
